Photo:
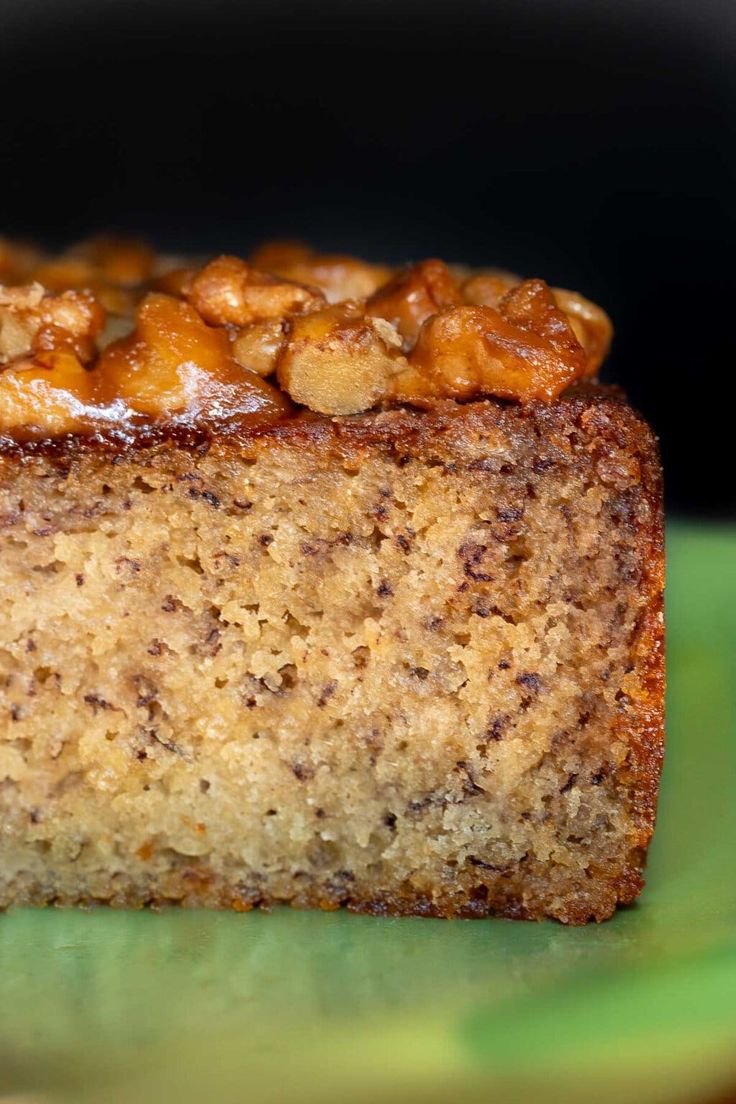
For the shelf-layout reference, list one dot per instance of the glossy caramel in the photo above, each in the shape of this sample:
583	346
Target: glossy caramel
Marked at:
174	364
232	343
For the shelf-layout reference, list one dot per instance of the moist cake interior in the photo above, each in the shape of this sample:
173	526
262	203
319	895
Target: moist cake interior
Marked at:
400	663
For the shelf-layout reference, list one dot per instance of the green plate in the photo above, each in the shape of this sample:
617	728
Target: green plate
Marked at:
290	1007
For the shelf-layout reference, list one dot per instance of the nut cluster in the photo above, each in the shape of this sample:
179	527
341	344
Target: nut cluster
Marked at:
110	332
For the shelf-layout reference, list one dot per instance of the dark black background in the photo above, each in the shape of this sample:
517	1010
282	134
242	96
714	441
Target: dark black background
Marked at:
589	143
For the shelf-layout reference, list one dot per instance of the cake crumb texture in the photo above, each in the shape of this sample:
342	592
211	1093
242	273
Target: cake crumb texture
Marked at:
409	662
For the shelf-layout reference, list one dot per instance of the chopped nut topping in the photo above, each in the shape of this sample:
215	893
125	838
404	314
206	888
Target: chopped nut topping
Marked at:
591	325
337	361
33	322
45	340
21	298
118	260
340	336
413	296
73	319
229	292
114	269
173	362
52	393
177	281
487	289
337	276
16	339
524	350
19	320
257	347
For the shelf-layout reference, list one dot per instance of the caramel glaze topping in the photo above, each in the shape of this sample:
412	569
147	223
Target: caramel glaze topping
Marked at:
108	337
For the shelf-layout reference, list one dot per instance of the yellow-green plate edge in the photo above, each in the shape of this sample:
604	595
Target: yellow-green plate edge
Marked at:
295	1007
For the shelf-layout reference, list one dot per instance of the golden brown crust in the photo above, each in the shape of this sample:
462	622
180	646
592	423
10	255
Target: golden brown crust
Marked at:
196	887
419	430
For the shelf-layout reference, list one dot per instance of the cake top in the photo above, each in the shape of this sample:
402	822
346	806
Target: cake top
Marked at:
111	336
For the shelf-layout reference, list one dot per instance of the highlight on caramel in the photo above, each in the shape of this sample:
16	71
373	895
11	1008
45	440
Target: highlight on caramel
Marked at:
110	336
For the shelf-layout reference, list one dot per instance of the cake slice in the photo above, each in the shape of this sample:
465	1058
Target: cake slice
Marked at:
350	602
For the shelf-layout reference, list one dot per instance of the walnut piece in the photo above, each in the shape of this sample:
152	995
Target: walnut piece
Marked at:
487	288
229	292
19	320
341	336
32	322
174	363
592	326
414	294
53	393
16	339
117	260
46	340
257	347
338	276
177	281
73	319
524	350
115	269
338	361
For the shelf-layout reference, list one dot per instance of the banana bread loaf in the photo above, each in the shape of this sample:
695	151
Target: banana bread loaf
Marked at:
321	599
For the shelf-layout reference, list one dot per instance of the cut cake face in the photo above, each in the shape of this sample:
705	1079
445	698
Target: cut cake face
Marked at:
400	650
